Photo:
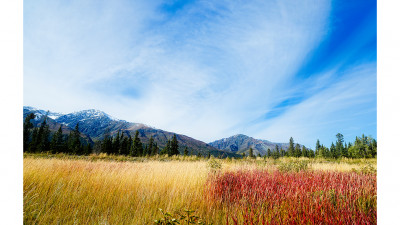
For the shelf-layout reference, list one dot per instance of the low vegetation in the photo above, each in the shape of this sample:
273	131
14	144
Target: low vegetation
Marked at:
115	189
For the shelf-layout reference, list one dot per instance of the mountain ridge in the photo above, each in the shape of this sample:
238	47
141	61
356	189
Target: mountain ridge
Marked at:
95	124
240	143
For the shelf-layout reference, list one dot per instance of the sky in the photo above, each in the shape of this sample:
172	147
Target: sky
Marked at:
209	69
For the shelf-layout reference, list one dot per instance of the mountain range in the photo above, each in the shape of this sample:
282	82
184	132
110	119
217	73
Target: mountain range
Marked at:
94	124
240	143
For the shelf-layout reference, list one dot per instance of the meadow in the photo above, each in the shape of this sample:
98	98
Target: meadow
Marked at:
101	189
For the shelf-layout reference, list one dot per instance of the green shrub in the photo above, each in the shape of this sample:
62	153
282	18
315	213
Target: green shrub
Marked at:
186	217
293	166
214	165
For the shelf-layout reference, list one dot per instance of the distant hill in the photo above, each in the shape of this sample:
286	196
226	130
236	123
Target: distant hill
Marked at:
240	143
93	124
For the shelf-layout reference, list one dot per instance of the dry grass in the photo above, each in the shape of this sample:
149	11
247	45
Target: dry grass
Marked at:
71	191
66	191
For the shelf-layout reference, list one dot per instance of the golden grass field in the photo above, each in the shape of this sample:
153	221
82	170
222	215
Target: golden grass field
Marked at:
83	191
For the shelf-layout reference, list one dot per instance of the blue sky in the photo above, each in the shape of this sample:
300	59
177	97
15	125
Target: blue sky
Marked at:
209	69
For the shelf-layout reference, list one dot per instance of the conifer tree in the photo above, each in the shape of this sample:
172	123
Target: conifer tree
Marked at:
166	149
297	151
116	143
333	152
76	142
269	153
34	142
186	152
282	152
56	141
124	148
130	144
275	153
43	143
27	130
87	149
151	142
251	153
174	146
339	146
155	149
317	147
137	147
106	145
291	147
311	153
304	151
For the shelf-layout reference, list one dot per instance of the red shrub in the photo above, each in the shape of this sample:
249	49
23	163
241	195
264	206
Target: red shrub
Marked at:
259	197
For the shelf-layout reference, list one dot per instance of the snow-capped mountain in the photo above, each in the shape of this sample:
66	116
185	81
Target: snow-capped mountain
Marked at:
72	119
40	113
95	124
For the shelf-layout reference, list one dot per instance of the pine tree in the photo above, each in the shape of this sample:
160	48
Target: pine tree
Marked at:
291	148
275	153
151	142
166	149
297	151
116	143
34	142
185	152
27	130
124	148
43	143
56	141
130	144
317	147
137	147
87	149
155	149
339	145
174	146
282	152
269	153
333	152
251	153
304	152
345	150
106	145
76	142
311	153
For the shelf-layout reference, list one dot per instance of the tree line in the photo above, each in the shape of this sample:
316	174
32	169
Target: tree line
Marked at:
125	145
40	139
362	147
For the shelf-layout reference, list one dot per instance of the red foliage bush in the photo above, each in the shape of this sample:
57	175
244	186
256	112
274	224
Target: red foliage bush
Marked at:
260	197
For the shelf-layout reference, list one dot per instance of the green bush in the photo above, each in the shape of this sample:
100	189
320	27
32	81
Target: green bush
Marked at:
293	166
186	217
214	164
